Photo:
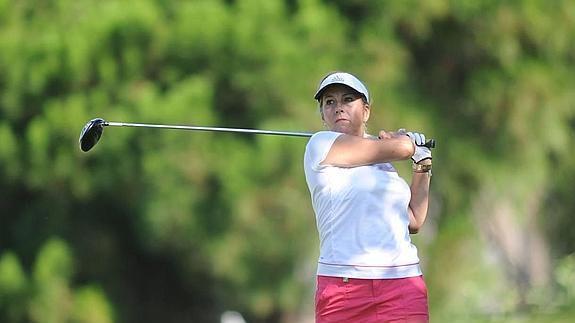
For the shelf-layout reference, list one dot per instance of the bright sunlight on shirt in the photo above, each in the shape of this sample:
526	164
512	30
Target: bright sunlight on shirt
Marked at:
361	216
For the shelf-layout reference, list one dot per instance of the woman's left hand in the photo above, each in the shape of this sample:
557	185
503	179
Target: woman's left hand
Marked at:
421	152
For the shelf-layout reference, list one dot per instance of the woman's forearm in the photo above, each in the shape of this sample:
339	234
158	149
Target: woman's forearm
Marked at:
418	205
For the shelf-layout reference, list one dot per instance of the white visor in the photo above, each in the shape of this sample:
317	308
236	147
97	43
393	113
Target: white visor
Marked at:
345	79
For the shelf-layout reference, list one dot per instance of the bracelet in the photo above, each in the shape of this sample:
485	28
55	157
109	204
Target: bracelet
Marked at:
419	168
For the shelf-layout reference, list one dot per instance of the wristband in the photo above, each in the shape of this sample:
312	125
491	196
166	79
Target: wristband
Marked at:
419	168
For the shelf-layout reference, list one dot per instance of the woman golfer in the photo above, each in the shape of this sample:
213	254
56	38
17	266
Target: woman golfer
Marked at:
368	269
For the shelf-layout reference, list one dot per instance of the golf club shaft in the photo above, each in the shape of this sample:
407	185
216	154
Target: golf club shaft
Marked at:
217	129
429	144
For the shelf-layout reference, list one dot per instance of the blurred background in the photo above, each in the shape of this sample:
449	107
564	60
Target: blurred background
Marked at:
175	226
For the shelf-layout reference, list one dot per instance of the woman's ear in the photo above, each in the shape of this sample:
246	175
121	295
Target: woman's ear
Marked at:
366	111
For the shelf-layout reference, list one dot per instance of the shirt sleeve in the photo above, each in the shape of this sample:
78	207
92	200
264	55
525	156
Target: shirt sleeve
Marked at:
318	147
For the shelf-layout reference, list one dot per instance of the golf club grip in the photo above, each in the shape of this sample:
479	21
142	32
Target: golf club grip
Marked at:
430	144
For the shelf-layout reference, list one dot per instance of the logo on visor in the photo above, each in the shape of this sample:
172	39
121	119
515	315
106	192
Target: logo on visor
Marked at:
337	78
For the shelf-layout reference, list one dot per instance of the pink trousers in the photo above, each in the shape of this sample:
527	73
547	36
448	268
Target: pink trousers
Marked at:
371	300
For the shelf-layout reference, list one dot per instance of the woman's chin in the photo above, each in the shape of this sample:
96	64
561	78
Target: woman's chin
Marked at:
344	129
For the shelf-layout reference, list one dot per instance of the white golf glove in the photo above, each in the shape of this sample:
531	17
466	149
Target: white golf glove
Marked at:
421	152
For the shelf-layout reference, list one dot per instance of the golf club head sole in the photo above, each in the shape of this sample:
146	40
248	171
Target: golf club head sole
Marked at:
91	133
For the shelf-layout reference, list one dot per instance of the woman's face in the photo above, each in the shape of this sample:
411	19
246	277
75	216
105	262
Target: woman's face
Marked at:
344	110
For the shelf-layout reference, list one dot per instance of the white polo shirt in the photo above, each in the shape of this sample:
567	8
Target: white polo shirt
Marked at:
361	215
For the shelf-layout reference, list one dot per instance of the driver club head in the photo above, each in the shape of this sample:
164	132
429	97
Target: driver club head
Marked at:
91	133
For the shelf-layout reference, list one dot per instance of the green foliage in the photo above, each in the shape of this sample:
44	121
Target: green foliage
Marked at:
565	272
91	306
167	226
48	296
13	288
52	300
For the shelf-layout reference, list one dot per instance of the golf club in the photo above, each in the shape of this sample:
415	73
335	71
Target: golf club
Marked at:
92	131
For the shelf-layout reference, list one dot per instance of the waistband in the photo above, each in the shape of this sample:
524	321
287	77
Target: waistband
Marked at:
369	272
